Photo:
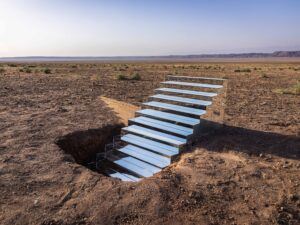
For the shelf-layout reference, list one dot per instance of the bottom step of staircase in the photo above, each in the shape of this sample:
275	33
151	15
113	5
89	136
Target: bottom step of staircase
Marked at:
135	166
122	176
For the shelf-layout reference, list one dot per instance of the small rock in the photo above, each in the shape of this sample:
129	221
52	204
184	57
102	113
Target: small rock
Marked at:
36	201
189	160
294	197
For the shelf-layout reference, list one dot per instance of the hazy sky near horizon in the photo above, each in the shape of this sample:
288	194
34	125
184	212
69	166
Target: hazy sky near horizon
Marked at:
149	27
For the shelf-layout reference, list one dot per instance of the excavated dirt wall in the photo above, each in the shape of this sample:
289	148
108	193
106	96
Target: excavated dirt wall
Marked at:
84	145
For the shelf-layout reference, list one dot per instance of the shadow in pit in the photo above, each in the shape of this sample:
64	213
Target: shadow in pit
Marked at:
84	145
251	142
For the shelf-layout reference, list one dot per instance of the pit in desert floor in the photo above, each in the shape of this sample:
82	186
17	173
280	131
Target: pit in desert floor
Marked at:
84	146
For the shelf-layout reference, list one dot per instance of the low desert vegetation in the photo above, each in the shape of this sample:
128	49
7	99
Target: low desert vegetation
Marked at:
246	70
121	77
47	71
25	70
264	75
294	90
135	76
2	70
28	70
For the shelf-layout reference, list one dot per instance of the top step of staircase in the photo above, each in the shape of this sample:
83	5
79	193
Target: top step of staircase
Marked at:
212	86
200	78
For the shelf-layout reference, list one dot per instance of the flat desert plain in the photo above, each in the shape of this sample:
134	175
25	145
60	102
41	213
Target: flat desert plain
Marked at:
248	172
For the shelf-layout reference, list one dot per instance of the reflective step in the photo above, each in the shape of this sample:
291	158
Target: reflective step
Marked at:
176	108
171	139
163	149
182	100
123	176
187	92
136	166
169	116
146	156
158	124
196	78
214	86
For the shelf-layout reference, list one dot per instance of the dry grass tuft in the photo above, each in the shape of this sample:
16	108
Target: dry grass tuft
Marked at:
294	90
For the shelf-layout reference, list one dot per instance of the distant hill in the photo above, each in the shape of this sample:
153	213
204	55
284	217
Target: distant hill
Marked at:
244	55
277	54
286	54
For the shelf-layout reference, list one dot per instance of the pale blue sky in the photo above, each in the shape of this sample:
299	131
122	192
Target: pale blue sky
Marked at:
149	27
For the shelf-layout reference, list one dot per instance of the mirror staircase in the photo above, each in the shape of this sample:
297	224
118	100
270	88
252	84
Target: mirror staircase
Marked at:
165	126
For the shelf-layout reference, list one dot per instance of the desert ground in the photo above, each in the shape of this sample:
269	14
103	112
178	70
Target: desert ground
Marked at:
51	119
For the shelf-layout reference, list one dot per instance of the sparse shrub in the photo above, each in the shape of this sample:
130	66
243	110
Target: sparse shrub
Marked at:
74	66
28	70
31	66
136	77
121	77
264	75
12	65
297	88
247	70
21	70
47	71
294	90
2	70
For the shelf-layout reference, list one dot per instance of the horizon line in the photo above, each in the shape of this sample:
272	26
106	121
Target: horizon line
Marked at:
163	55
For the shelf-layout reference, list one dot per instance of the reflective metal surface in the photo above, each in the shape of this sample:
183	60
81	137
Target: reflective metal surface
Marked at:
188	92
183	109
155	135
182	100
192	84
145	155
163	149
169	116
180	130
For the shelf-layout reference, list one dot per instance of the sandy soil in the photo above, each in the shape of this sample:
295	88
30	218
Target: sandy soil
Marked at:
246	173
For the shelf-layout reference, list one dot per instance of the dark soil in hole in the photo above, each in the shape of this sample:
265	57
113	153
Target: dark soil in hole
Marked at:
84	145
